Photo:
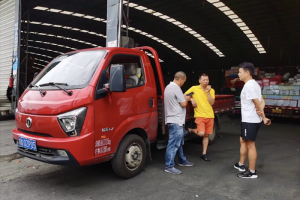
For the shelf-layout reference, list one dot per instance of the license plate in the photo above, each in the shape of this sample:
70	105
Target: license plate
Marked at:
276	110
27	143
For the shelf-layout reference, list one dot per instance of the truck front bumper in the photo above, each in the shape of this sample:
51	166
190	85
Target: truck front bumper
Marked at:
48	155
72	151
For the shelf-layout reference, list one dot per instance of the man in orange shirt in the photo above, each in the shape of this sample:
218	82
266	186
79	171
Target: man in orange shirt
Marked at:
204	96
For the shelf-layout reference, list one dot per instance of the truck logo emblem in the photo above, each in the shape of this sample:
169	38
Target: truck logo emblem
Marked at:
28	122
107	129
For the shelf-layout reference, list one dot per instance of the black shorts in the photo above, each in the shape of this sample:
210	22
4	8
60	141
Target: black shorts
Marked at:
249	130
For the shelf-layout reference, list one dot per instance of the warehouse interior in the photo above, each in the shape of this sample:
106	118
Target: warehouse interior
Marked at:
208	36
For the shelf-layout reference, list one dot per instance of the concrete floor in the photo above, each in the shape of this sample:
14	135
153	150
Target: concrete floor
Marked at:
278	169
7	146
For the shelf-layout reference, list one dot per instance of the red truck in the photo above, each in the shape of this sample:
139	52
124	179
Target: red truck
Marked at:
95	105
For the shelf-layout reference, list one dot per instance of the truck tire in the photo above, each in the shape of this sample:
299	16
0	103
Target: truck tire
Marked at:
130	157
213	137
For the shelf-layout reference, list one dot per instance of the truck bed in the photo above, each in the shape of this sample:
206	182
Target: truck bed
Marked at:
282	111
223	103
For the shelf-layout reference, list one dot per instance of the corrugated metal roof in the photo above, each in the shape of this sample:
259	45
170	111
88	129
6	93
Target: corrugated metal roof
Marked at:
275	23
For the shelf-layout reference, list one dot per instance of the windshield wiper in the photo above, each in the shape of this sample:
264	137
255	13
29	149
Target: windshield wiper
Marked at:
57	85
43	93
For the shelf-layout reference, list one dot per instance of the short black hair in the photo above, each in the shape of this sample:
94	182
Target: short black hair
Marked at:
246	66
202	75
179	75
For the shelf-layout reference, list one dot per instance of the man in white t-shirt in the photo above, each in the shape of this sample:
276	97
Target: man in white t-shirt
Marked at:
252	108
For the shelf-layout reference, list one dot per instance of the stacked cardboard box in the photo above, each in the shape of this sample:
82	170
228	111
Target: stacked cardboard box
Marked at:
256	71
227	73
235	70
261	74
270	75
266	82
295	80
277	95
232	70
273	82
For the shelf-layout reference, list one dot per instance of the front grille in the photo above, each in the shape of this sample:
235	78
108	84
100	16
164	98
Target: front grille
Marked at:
41	152
35	133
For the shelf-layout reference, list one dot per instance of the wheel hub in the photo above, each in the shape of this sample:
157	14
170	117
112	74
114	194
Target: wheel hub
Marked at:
133	157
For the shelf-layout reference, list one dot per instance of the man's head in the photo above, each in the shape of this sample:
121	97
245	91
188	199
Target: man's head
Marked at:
107	72
246	71
180	78
203	79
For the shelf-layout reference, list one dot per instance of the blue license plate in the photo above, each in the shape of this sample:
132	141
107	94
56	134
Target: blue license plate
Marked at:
27	143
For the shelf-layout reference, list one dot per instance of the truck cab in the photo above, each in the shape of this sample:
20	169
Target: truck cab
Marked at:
78	110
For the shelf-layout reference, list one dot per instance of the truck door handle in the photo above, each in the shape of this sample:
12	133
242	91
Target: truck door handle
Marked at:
151	102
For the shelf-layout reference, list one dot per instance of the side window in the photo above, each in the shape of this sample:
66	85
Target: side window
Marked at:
134	70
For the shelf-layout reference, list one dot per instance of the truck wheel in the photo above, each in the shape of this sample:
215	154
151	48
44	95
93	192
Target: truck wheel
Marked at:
213	137
130	157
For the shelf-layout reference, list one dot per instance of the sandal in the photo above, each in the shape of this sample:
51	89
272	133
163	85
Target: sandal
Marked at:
205	158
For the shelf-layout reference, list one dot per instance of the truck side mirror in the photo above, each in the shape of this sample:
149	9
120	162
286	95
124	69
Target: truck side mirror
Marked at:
117	81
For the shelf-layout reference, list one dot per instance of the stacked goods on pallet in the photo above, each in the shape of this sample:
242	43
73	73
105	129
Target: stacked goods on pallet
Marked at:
270	75
282	95
261	74
235	71
281	92
256	71
231	71
295	80
266	82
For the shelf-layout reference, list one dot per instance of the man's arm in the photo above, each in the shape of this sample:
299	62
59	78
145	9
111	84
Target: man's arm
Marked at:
182	99
260	110
190	99
262	103
259	105
211	98
194	103
234	80
185	103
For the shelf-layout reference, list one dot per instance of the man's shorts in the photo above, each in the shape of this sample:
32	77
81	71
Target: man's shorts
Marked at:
249	130
205	125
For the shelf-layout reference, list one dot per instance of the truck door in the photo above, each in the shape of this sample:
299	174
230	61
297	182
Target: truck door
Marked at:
115	109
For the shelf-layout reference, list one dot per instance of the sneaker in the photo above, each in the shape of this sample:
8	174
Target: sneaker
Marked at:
186	164
173	170
247	174
205	158
241	168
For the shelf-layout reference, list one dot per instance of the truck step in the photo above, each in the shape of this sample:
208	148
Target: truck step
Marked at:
161	144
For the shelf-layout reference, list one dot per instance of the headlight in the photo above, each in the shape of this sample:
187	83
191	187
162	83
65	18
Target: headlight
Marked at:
72	122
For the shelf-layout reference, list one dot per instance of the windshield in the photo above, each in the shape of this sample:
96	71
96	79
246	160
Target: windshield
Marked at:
74	69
